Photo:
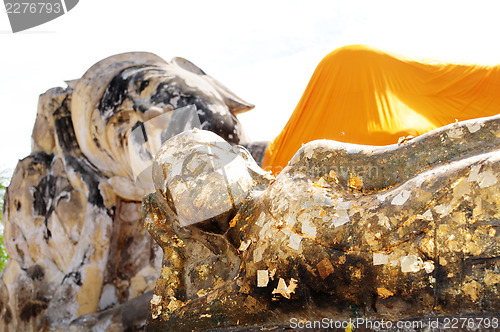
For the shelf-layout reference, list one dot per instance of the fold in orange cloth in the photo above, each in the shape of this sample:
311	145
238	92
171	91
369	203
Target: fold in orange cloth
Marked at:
361	95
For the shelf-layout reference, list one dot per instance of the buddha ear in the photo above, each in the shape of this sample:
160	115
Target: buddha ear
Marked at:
235	103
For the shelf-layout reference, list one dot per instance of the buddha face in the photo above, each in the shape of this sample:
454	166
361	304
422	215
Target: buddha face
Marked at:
142	106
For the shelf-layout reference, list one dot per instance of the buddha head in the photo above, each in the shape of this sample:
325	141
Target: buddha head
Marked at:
125	106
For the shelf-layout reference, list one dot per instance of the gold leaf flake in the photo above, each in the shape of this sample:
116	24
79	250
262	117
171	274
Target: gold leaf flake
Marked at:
245	289
380	258
443	209
201	293
442	261
325	268
473	127
156	312
491	278
212	296
283	289
244	245
404	139
484	179
384	293
355	182
487	179
309	229
294	241
292	286
156	300
333	176
262	278
401	198
321	183
174	304
455	133
427	215
257	253
250	302
410	263
471	289
429	266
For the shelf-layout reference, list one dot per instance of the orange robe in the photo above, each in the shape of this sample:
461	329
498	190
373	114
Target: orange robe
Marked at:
361	95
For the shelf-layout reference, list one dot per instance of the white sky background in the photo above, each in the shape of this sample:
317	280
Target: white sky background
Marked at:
264	51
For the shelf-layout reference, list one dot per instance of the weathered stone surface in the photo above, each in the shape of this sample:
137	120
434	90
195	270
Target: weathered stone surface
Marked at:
72	213
417	237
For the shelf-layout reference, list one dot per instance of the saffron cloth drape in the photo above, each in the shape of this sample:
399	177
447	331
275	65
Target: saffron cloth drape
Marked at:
361	95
